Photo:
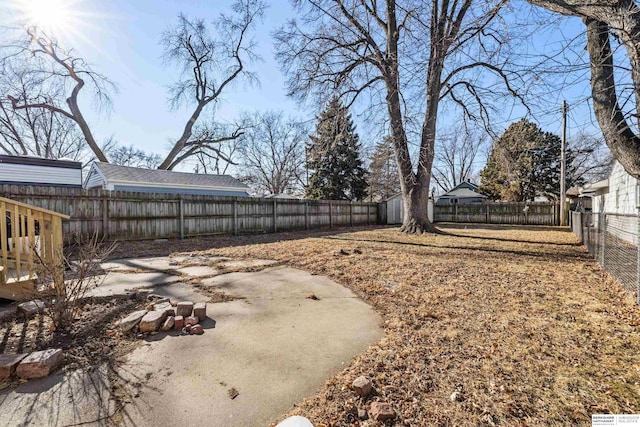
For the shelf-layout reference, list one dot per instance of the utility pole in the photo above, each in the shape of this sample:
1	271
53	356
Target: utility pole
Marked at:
563	166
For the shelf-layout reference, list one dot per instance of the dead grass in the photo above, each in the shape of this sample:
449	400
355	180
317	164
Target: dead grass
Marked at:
518	320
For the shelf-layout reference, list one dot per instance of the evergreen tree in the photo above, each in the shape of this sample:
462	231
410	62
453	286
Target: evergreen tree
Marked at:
334	157
524	163
384	180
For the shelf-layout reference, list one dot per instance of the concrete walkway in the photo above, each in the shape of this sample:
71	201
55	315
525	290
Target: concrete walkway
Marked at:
272	347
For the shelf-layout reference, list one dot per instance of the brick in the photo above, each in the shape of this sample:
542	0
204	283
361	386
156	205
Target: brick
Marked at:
131	321
184	308
8	363
166	307
362	386
31	308
40	363
200	310
178	323
191	320
152	321
381	411
168	324
196	330
7	312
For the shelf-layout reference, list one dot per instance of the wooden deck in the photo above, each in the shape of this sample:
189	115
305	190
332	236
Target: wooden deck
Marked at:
30	239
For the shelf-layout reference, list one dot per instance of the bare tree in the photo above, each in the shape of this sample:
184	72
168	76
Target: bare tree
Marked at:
35	132
132	156
218	159
273	153
591	160
209	66
456	158
620	18
59	73
410	55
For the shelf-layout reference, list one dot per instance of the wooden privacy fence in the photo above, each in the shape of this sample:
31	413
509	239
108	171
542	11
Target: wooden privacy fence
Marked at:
546	213
128	216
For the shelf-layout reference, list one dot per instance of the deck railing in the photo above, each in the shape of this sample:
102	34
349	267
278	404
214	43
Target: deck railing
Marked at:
30	237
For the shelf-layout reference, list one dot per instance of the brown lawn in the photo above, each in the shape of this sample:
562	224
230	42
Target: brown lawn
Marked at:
519	321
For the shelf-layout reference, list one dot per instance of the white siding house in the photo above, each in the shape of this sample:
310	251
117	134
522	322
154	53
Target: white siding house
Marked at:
619	197
125	178
26	170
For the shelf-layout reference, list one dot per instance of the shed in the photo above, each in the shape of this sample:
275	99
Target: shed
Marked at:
27	170
395	209
463	193
126	178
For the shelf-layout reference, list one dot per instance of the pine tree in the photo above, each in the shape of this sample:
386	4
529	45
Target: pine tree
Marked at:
524	163
384	180
334	157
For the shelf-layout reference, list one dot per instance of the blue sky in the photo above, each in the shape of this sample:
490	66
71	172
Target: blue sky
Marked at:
121	38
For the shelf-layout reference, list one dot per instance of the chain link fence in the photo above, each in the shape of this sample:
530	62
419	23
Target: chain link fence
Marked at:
612	239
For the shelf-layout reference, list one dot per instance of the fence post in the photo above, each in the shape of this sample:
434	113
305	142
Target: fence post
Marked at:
603	231
330	216
487	221
275	216
351	213
368	215
235	216
638	260
455	212
306	215
181	215
105	215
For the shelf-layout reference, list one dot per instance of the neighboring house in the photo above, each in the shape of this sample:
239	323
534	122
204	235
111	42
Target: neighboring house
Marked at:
26	170
125	178
618	195
577	201
462	194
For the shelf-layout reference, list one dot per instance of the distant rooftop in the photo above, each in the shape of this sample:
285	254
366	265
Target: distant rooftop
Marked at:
130	174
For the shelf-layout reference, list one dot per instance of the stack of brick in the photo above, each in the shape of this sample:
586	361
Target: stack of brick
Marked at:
162	316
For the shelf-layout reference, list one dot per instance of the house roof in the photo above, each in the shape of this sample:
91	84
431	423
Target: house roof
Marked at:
462	190
130	175
592	187
462	193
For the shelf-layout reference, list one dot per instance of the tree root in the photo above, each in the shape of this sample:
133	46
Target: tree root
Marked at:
418	227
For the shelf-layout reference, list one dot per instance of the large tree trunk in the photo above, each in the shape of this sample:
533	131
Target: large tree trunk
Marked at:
622	141
414	187
168	162
622	17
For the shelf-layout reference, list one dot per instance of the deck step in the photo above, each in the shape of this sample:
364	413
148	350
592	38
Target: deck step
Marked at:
17	287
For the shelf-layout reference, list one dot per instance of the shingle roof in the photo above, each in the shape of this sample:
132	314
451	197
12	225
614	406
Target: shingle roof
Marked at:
155	176
462	192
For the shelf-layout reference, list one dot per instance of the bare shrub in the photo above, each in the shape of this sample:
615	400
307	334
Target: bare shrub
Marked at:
79	273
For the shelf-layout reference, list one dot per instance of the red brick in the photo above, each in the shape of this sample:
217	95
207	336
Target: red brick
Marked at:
40	363
191	321
178	323
200	310
168	324
152	321
362	386
381	411
8	363
184	308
